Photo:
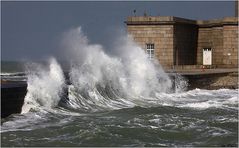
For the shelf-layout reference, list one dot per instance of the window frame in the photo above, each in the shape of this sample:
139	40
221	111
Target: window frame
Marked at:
150	47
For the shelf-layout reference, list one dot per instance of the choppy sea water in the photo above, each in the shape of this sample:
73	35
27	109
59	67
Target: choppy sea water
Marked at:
116	100
193	118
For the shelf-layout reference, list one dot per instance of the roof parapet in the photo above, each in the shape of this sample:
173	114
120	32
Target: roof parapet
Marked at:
154	20
166	20
218	22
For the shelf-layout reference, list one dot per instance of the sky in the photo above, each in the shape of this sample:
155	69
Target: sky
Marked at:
33	30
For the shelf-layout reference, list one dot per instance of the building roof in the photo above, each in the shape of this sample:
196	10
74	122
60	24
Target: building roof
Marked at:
218	22
167	20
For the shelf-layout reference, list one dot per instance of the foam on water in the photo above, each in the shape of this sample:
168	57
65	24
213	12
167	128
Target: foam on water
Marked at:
44	86
13	76
202	99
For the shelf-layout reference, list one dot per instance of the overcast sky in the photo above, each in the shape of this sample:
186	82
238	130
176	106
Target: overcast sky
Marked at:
32	30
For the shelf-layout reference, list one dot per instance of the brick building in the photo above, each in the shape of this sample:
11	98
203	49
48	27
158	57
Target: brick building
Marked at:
178	42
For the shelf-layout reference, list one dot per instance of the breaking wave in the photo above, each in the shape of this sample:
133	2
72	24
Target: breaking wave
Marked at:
45	86
99	81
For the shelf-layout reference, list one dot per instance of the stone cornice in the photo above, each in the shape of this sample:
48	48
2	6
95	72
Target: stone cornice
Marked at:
159	20
170	20
218	22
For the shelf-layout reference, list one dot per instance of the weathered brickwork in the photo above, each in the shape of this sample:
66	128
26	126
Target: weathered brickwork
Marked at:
211	37
161	36
230	46
217	45
222	37
179	41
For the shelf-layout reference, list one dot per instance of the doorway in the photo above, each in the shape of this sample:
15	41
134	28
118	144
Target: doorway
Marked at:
207	56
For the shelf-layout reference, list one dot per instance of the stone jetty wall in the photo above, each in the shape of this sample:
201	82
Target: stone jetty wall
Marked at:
213	81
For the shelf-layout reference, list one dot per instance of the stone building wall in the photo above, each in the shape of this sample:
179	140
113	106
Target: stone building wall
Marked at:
180	42
230	46
211	37
222	37
161	36
173	38
217	45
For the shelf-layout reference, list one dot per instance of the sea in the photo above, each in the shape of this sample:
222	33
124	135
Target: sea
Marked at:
115	100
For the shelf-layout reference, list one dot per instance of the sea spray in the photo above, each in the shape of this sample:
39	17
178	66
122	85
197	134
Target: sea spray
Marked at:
100	81
45	86
181	83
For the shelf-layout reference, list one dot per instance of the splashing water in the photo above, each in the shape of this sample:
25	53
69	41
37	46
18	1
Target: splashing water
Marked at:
103	81
99	81
44	86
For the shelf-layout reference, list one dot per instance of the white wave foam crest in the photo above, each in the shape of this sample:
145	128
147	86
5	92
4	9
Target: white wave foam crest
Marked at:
131	72
100	79
201	99
44	86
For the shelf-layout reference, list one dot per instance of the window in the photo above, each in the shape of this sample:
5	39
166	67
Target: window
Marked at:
150	51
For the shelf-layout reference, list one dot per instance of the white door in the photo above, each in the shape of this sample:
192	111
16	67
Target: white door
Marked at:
207	56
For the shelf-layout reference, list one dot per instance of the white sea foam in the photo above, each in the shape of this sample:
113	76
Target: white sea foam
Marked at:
11	73
100	81
13	76
201	99
44	86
